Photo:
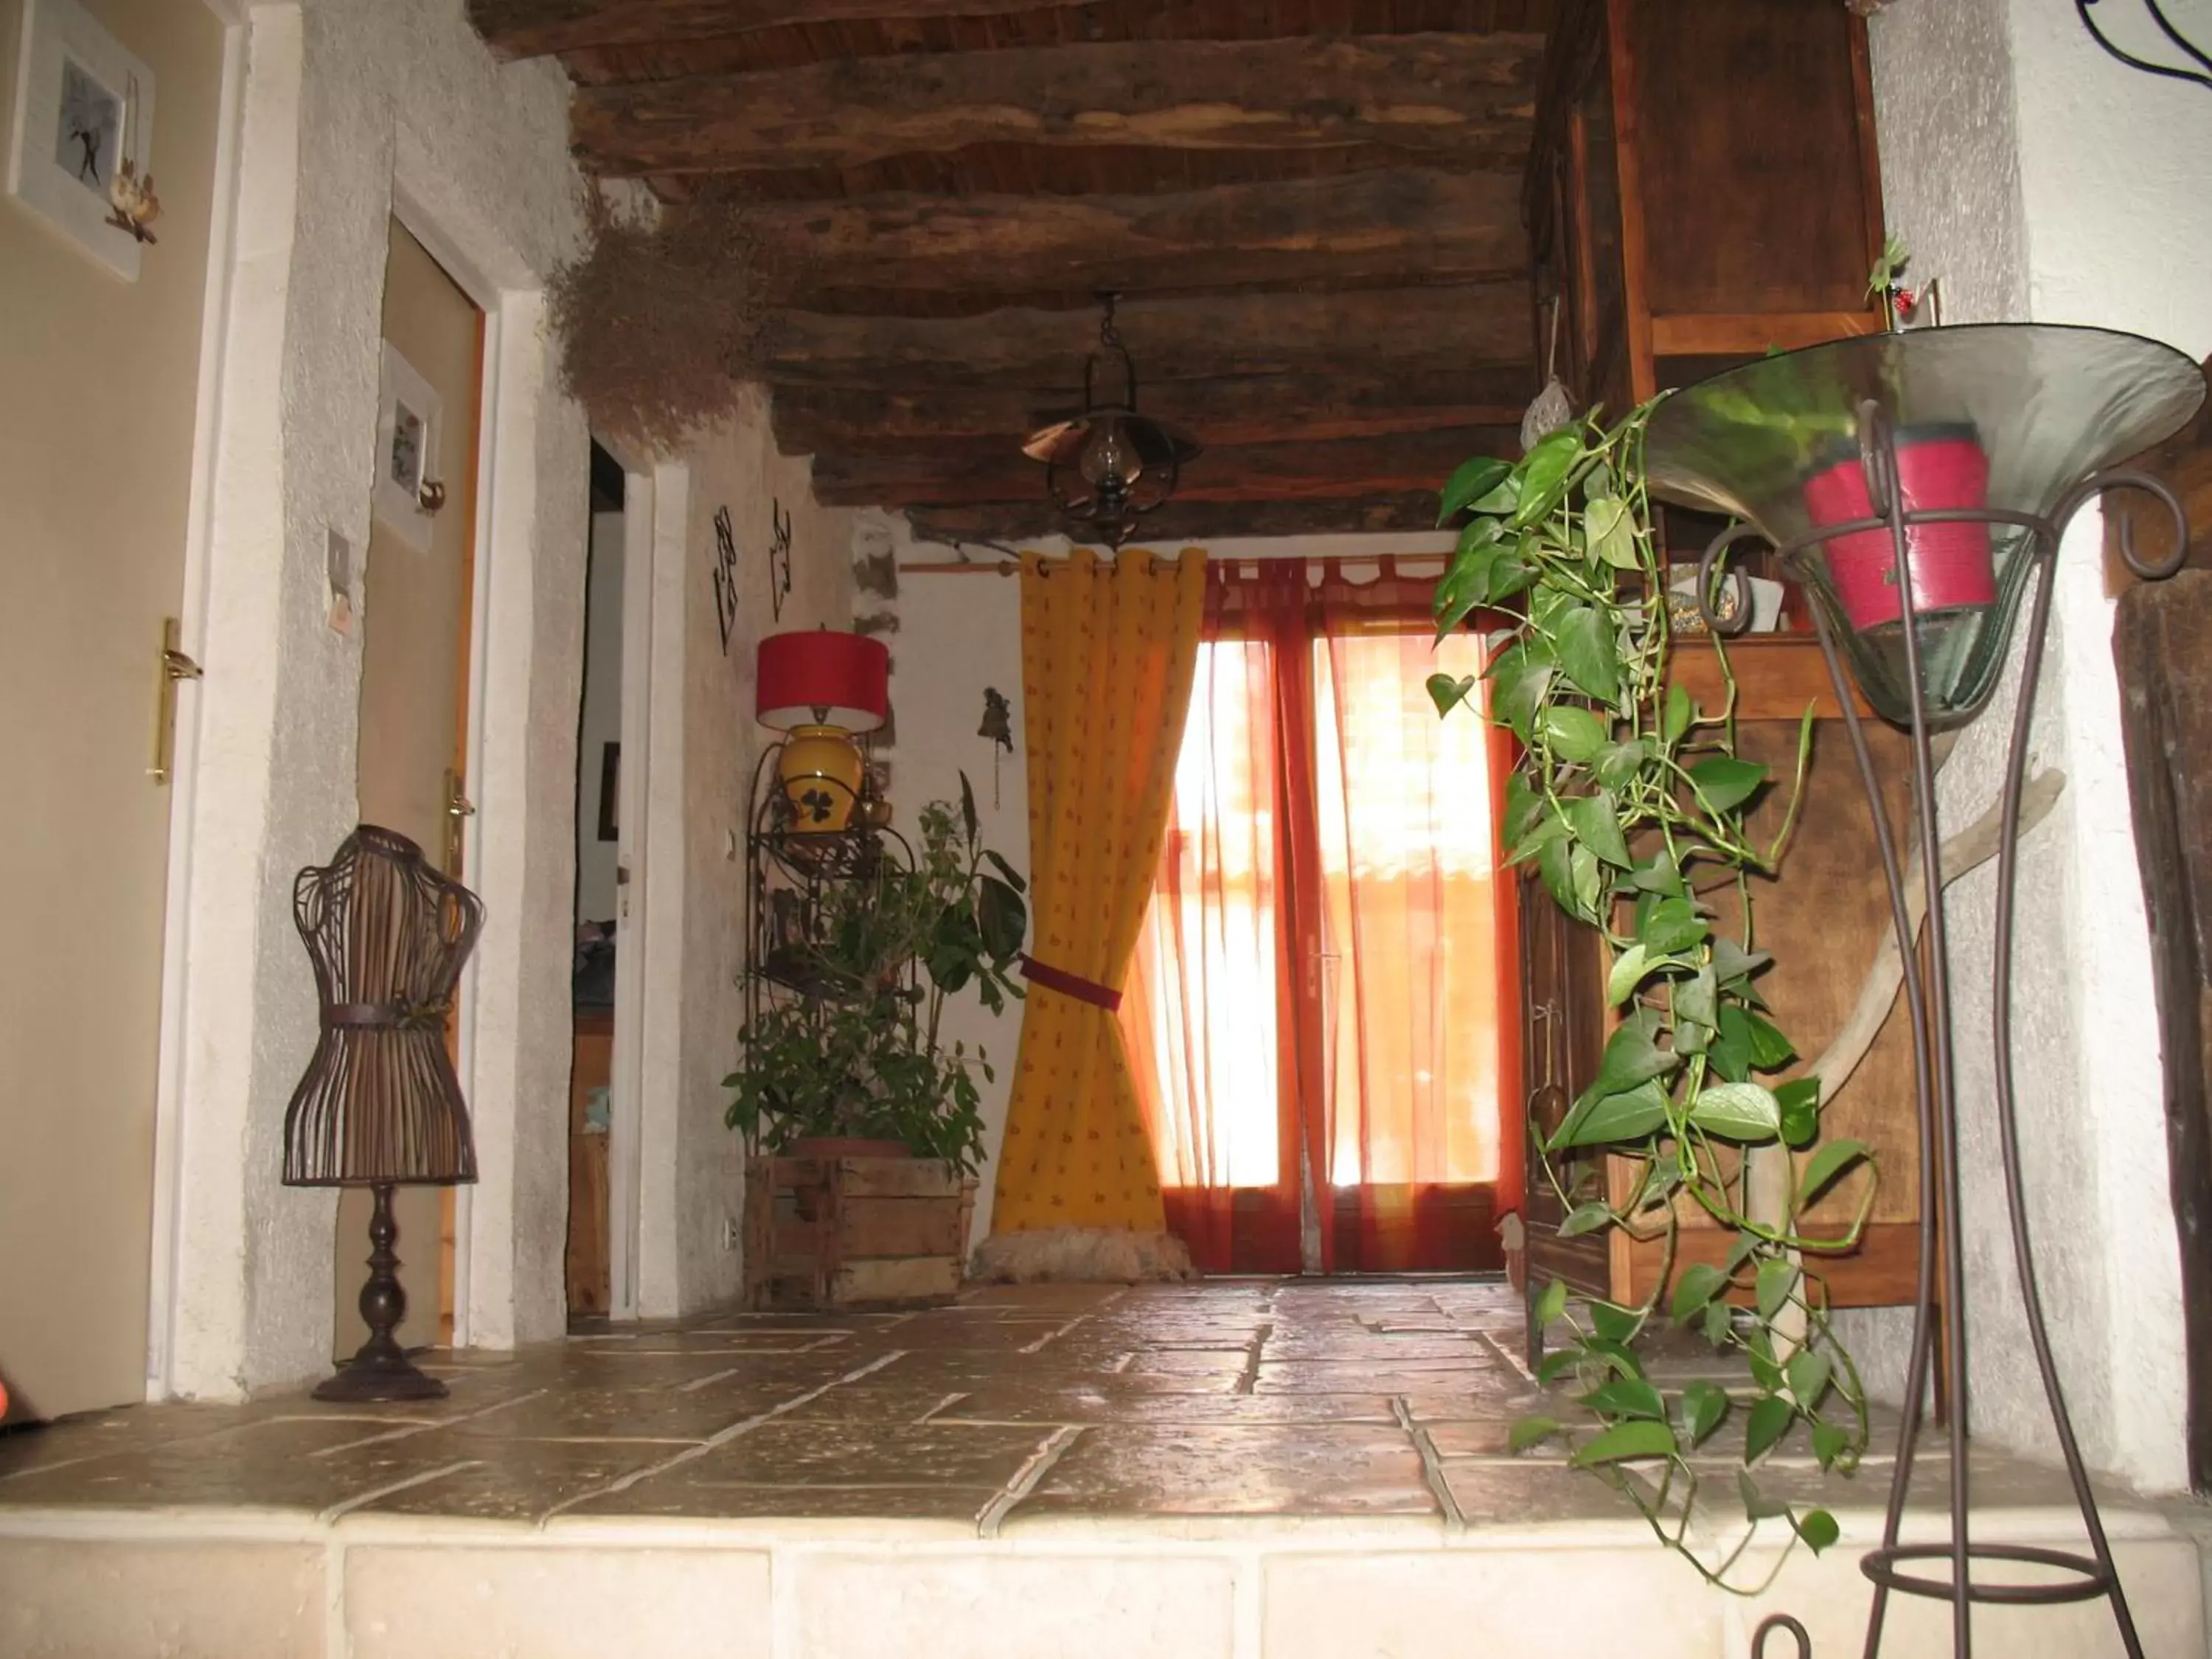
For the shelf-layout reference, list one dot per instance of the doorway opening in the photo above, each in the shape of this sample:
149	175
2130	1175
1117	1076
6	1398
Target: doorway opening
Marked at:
600	881
415	620
1320	1012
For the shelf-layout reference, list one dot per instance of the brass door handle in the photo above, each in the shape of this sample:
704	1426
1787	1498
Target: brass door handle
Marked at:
458	810
171	664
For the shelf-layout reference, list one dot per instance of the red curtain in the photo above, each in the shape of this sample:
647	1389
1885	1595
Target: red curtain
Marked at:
1320	1014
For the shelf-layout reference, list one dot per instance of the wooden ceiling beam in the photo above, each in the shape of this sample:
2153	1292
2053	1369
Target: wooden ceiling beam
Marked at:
1249	409
1414	225
970	471
1364	332
1440	94
532	28
1002	524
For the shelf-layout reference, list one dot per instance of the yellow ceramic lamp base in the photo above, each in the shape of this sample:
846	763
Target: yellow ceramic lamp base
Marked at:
820	771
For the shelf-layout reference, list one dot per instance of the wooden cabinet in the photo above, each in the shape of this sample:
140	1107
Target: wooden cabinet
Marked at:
1704	187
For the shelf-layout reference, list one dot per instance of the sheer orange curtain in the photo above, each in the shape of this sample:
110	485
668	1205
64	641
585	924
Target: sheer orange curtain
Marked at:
1320	1014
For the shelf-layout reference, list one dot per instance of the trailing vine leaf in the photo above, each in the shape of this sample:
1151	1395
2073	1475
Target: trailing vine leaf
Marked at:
1769	1420
1472	479
1800	1101
1635	1438
1826	1164
1592	819
1627	1396
1680	711
1551	1304
1543	473
1705	1404
1585	1219
1818	1529
1737	1111
1528	1431
1612	1323
1629	1115
1696	1285
1830	1442
1448	693
1584	640
1575	734
1727	782
1610	532
1775	1280
1809	1371
1757	1506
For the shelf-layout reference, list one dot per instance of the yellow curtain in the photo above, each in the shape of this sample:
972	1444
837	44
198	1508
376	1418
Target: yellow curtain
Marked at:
1108	650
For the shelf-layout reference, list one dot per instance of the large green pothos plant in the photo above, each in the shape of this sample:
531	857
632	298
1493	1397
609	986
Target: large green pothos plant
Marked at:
1632	803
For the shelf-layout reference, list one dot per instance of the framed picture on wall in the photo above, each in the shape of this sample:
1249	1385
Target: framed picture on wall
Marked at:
409	418
83	109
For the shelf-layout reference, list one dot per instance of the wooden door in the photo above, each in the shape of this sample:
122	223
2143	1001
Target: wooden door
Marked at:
414	698
99	381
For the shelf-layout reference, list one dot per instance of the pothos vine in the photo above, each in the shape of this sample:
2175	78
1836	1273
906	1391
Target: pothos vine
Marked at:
1633	805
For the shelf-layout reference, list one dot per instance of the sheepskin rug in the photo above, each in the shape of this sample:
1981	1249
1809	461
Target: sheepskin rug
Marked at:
1080	1256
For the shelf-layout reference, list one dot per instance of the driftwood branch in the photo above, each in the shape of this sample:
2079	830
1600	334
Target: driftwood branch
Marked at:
1972	847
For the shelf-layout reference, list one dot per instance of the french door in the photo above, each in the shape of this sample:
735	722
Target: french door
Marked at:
1320	1013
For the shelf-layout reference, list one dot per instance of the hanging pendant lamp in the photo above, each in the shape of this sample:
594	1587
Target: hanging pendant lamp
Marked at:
1108	466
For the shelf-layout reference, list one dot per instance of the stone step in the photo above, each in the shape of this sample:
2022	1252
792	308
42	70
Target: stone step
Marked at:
208	1583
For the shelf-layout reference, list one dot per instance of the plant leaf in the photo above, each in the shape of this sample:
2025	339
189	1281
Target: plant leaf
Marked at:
1769	1421
1593	820
1551	1304
1556	1364
1727	782
1448	693
1800	1101
1757	1506
1610	532
1618	763
1776	1279
1809	1371
1636	1438
1013	876
1521	677
1660	876
1703	1404
1829	1442
1615	1324
1716	1322
1824	1165
1695	1001
1680	711
1543	473
1673	925
1585	1219
1770	1049
1469	481
1737	1111
1631	1056
1625	1396
1588	655
1575	734
1732	964
967	819
1629	1115
1818	1529
1696	1285
1528	1431
1628	972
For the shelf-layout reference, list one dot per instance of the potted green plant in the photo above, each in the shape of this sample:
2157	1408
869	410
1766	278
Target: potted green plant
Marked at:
1630	801
845	1070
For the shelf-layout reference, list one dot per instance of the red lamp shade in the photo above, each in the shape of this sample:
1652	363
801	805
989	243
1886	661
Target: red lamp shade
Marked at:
823	678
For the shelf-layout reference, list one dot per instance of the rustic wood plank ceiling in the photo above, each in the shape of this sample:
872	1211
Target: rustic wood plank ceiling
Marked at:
1311	207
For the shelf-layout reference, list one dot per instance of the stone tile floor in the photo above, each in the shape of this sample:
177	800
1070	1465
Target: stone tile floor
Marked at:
1229	1401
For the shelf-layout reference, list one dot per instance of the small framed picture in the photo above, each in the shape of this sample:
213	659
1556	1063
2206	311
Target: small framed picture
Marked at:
83	114
409	423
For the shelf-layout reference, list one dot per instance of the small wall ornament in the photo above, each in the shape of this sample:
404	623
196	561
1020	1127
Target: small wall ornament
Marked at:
81	142
725	576
779	557
998	726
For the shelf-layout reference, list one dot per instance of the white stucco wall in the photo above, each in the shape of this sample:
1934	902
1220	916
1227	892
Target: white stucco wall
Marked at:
700	774
2040	179
343	98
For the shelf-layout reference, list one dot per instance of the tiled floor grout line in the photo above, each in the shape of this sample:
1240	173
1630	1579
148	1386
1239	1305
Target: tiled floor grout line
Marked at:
1506	1354
949	1399
1247	1380
1025	1479
410	1429
720	1438
702	1382
347	1506
1432	1467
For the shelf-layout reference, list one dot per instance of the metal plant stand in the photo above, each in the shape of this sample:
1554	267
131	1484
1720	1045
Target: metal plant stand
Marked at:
2031	539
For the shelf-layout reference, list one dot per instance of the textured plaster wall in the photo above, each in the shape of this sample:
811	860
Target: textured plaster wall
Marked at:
702	770
341	98
2040	179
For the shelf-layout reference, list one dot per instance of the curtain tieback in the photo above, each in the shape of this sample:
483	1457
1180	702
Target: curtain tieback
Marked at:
1071	985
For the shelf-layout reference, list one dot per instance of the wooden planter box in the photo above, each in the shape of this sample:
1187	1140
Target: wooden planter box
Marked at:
853	1232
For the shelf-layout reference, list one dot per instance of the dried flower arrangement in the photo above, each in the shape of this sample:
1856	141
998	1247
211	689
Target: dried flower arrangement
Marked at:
657	317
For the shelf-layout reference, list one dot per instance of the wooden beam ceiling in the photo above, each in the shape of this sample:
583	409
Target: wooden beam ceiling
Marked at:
974	470
1173	340
1246	410
1436	94
1403	227
1311	208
